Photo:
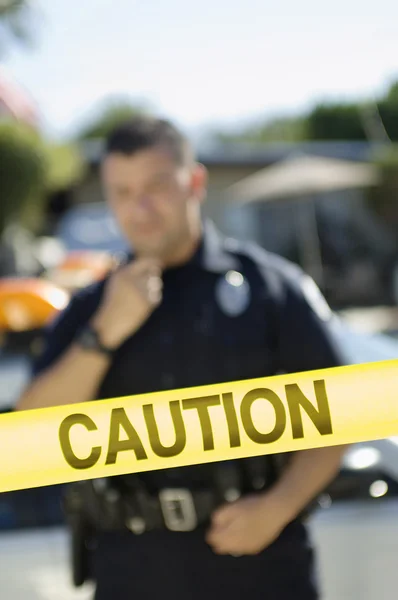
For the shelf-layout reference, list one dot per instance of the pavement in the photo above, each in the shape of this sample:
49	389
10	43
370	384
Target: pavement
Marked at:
358	549
374	319
357	545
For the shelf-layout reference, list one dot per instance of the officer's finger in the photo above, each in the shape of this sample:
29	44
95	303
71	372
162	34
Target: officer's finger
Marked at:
115	263
220	534
214	536
220	550
225	545
154	282
154	290
216	543
223	516
148	280
145	266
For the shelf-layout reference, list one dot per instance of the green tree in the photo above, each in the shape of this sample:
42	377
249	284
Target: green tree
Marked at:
363	120
286	129
335	122
391	96
31	168
65	165
16	23
366	120
111	112
22	171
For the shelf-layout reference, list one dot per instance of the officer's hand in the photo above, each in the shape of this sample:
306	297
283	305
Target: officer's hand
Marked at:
131	294
246	526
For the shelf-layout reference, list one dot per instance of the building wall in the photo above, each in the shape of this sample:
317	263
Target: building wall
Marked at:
230	219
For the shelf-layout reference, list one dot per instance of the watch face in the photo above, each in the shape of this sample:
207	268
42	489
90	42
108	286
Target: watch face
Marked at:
88	339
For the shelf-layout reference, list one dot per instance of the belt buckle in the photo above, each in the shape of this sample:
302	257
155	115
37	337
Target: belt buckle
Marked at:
178	509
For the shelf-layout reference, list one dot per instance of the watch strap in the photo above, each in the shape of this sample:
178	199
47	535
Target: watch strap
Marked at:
89	339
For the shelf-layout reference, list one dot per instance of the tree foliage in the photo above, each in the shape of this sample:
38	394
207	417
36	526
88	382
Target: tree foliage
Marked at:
16	23
364	120
112	112
22	170
291	129
31	168
335	122
65	165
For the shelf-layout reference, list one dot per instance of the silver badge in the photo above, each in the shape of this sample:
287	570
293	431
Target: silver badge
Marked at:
233	293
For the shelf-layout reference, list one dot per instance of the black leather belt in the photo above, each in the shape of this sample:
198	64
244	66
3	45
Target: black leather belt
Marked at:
172	508
120	502
175	509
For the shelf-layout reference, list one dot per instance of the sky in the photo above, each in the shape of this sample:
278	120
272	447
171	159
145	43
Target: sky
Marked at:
204	63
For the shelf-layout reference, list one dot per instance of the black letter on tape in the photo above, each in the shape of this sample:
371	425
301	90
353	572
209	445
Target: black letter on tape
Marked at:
153	430
280	416
119	418
202	404
69	455
321	418
232	420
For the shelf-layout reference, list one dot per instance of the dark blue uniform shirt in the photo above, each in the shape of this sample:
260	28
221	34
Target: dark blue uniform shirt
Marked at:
233	312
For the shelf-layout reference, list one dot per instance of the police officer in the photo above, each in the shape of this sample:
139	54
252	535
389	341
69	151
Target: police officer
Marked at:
189	307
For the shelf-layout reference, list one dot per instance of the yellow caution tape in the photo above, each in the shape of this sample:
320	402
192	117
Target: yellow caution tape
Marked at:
203	424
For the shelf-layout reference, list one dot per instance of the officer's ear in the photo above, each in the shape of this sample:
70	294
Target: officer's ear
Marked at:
199	180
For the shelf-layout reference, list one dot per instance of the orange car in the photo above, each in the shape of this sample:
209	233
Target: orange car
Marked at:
27	304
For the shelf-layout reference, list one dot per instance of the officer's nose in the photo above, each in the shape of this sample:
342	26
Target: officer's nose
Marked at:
143	208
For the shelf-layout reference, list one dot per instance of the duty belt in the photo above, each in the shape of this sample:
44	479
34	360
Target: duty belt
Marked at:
112	503
89	512
108	509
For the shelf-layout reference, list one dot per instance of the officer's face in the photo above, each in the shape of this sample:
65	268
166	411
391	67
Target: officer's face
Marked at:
156	202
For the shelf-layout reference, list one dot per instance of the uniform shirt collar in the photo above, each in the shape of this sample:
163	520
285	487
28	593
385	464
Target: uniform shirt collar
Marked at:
212	254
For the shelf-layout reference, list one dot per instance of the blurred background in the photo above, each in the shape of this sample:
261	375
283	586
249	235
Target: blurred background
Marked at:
294	112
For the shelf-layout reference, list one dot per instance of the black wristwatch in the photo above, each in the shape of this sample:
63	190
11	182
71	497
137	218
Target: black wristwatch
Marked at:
89	339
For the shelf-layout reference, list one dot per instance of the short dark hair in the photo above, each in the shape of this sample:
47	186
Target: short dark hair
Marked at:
144	132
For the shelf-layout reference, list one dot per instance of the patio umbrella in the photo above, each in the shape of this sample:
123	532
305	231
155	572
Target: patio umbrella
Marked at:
302	178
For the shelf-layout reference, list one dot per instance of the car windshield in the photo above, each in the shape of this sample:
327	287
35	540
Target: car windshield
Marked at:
90	227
